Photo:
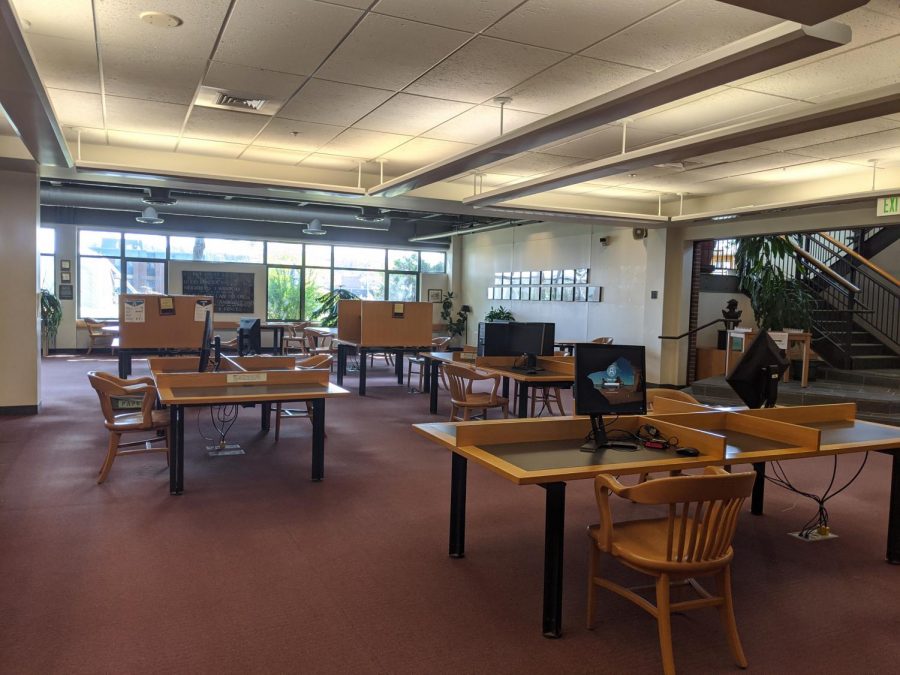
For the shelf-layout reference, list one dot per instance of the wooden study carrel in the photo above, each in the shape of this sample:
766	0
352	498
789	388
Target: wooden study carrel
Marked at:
162	321
376	323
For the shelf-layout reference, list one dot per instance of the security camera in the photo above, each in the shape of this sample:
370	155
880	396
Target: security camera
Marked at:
604	241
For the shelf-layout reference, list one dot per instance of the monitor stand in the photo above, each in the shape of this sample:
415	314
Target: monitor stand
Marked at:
597	441
770	395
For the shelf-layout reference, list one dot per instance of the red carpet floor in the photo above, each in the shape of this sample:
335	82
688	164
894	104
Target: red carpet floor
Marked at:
257	569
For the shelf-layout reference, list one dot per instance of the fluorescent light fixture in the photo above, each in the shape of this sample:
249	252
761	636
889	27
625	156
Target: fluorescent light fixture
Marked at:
883	101
159	197
761	51
150	217
470	230
314	227
809	13
726	216
584	215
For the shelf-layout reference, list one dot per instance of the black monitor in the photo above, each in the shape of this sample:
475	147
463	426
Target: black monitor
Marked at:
206	343
249	339
609	380
530	340
755	377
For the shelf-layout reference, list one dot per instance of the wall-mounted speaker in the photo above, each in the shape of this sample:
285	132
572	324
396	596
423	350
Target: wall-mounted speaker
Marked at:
639	232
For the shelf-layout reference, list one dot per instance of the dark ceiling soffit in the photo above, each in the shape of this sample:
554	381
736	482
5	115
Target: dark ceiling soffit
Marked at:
24	99
808	13
884	101
775	46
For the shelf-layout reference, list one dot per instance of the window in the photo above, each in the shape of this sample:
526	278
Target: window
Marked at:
99	273
47	262
145	246
283	253
402	287
434	262
316	282
367	285
407	261
358	258
283	294
318	256
216	250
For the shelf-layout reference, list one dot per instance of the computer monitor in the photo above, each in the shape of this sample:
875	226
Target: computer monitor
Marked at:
530	339
206	343
609	380
755	377
249	339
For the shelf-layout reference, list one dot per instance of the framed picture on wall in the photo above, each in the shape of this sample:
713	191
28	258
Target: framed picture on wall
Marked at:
568	293
65	264
506	277
595	294
504	293
547	276
568	276
66	292
65	277
514	293
435	295
490	293
581	276
498	278
516	278
557	276
580	293
545	293
556	293
535	278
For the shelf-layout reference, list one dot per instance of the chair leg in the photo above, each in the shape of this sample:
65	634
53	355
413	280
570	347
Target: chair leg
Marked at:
277	420
114	439
559	402
505	412
465	415
592	572
726	612
664	619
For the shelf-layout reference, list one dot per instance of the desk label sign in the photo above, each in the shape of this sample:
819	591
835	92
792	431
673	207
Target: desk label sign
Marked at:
888	206
233	378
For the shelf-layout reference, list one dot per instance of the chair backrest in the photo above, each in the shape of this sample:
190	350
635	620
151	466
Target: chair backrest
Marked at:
319	361
703	511
440	342
602	341
108	386
295	330
676	394
459	381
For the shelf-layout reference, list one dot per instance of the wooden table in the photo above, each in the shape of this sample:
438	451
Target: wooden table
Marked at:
545	452
746	337
259	379
552	371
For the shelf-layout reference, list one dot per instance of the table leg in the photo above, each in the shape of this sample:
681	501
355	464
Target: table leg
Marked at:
124	363
893	535
318	438
398	365
522	402
759	487
504	390
278	340
804	377
426	364
554	535
176	449
362	353
341	363
433	380
266	421
458	467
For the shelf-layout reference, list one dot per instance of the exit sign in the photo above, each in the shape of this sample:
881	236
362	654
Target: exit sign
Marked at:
888	206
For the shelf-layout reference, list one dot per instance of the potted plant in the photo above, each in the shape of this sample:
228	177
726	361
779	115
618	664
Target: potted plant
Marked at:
51	315
499	314
327	312
456	326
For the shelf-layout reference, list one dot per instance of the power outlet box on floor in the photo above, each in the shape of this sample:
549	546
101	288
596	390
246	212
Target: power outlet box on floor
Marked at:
813	536
224	450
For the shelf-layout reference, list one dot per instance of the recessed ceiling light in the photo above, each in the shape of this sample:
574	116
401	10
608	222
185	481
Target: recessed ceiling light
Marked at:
161	19
727	216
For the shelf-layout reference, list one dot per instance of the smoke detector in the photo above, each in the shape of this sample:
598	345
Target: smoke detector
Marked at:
158	197
314	227
224	99
149	217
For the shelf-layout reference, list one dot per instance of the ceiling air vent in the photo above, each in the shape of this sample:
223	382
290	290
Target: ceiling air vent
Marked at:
256	103
229	101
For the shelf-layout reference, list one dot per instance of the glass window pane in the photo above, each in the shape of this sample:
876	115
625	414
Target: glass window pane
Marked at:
407	261
358	258
46	240
284	294
48	273
402	287
217	250
318	256
91	242
284	253
367	285
99	281
318	281
145	245
145	277
434	261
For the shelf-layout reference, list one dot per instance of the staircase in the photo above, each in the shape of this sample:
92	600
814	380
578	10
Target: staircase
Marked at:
856	316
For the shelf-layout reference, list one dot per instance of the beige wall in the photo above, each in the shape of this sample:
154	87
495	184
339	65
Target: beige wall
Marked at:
19	307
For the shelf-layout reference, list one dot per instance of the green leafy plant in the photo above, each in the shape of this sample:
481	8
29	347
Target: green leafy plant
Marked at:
327	311
51	313
457	325
499	314
777	299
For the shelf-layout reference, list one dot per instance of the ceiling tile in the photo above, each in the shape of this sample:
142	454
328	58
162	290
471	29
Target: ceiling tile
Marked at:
318	160
531	163
69	19
196	146
390	53
77	108
147	73
869	143
333	102
889	7
886	157
420	152
127	139
358	4
574	80
486	181
290	36
223	125
272	155
153	117
362	143
732	155
65	64
500	65
251	82
467	16
804	172
88	136
411	115
746	166
308	137
571	25
844	131
481	124
119	23
605	142
659	41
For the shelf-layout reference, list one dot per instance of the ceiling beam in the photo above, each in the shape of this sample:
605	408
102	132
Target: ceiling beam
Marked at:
24	99
883	101
808	13
775	46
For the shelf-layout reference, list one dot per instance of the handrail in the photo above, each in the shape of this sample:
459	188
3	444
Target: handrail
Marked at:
865	261
823	268
694	330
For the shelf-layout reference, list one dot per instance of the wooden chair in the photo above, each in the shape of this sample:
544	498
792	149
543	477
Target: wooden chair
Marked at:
460	380
318	362
294	338
676	394
694	540
108	386
97	336
437	344
602	341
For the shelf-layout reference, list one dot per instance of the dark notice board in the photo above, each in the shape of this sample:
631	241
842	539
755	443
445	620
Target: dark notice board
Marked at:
231	291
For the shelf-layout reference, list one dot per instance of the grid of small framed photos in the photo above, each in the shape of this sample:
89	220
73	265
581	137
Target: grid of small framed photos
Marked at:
545	286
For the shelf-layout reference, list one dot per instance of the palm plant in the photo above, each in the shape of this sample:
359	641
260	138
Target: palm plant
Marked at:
327	311
51	315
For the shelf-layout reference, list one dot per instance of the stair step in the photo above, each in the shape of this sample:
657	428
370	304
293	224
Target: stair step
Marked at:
869	349
879	361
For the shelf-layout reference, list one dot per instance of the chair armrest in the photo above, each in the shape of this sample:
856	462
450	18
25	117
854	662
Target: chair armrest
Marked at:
603	485
715	470
142	380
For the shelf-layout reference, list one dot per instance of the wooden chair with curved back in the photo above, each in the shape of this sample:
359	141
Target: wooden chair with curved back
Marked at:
694	540
146	419
460	380
675	394
294	338
316	361
416	364
602	341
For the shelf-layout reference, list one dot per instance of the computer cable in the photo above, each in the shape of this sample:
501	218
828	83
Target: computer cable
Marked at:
651	437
